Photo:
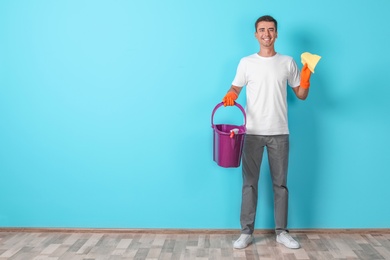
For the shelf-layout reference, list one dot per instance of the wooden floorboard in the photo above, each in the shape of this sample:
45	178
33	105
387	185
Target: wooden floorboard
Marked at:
64	244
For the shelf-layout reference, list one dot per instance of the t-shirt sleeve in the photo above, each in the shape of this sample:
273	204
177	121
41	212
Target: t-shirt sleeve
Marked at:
294	78
240	78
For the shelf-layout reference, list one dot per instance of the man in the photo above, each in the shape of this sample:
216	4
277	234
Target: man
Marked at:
266	75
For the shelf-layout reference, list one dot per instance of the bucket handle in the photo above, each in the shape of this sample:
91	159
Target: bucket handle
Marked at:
221	104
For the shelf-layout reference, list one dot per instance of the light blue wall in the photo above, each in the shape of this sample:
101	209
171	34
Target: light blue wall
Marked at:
105	113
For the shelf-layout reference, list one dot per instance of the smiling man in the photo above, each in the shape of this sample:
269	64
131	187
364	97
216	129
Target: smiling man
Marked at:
266	75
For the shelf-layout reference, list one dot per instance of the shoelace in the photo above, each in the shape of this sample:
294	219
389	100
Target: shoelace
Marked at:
289	238
240	239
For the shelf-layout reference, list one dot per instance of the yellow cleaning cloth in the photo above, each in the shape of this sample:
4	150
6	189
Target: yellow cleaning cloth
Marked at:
310	59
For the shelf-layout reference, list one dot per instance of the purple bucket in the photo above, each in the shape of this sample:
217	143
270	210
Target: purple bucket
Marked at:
228	149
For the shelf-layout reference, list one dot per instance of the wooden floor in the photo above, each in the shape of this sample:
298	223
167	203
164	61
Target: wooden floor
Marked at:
34	245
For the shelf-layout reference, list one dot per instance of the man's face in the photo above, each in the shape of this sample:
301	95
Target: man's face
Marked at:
266	34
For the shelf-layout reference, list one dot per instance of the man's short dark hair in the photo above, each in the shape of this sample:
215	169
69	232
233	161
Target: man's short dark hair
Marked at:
266	18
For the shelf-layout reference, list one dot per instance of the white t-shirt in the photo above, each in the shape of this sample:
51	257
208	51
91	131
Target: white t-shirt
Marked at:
266	80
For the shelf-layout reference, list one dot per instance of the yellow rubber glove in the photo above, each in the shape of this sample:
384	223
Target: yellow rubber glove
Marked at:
305	77
228	99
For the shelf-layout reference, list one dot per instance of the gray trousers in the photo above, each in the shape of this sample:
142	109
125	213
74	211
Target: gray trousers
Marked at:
278	150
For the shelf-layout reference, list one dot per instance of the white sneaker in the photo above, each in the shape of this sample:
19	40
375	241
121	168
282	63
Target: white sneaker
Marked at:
243	241
285	239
